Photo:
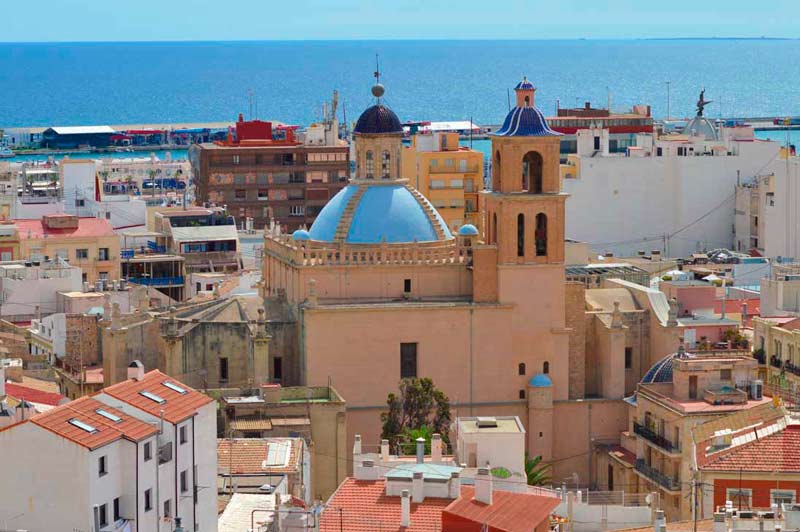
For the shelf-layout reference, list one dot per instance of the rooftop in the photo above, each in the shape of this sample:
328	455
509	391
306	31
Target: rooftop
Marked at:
778	452
82	130
33	395
176	406
88	227
509	511
247	456
240	509
500	424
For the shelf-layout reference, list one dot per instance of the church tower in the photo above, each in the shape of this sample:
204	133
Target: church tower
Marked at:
378	139
523	260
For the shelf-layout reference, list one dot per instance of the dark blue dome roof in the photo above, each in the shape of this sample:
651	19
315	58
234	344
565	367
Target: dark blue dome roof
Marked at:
661	371
378	119
524	85
525	122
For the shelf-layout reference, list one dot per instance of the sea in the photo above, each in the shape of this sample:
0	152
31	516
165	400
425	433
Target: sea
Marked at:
67	84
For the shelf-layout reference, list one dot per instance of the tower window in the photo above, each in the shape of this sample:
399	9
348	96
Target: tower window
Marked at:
546	368
385	160
541	235
522	394
496	171
532	172
521	368
628	357
370	165
520	235
408	360
494	228
406	285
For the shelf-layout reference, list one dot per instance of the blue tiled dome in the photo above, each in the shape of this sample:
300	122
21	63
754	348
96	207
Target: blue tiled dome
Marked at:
301	234
525	122
378	119
524	85
661	371
540	380
382	212
468	230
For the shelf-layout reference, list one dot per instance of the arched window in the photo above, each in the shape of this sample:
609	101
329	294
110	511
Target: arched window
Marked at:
521	368
385	161
494	228
496	170
520	235
546	368
532	172
541	235
370	170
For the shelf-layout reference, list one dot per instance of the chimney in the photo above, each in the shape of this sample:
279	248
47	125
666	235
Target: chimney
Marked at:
483	485
417	487
385	450
454	488
136	370
719	522
357	445
405	509
420	450
436	448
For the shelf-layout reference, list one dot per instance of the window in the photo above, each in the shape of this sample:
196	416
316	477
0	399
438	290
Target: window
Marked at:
101	466
167	508
148	500
725	374
235	159
297	210
693	387
408	360
370	165
741	498
456	183
241	193
782	496
385	164
103	254
277	368
81	253
103	515
406	285
116	509
522	394
223	369
183	438
628	357
184	481
520	235
521	368
437	183
108	215
541	235
79	203
263	194
148	451
546	368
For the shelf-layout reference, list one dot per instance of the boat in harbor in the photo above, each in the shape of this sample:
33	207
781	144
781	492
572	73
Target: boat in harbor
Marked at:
6	153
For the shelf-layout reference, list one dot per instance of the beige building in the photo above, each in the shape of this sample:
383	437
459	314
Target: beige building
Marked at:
316	414
776	342
449	175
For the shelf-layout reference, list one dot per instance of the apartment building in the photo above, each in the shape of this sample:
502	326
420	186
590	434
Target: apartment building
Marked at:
449	175
205	238
265	173
135	456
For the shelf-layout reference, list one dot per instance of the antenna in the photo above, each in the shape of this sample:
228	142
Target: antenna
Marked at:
508	98
377	73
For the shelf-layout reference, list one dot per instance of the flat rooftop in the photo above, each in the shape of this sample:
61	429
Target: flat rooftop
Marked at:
499	424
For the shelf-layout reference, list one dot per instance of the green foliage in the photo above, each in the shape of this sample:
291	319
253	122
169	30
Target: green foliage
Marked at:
538	474
500	472
666	278
419	410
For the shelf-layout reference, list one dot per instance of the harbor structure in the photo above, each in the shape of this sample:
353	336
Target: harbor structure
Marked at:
449	175
265	173
77	137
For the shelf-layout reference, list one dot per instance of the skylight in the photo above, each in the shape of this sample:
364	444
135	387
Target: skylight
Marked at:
108	415
153	397
174	387
83	426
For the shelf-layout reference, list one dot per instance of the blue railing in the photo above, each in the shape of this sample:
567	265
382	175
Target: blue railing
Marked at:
152	246
127	253
657	476
156	281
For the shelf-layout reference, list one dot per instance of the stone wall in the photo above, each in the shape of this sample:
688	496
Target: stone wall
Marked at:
576	319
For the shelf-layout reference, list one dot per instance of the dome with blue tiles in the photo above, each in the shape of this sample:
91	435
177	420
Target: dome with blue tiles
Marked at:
378	120
540	380
467	230
371	213
661	371
525	120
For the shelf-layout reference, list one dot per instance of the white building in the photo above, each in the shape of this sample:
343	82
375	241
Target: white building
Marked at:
27	288
674	193
132	457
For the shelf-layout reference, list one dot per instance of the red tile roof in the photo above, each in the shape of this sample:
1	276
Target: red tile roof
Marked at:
249	454
777	452
509	511
32	395
363	506
89	227
177	407
84	410
621	453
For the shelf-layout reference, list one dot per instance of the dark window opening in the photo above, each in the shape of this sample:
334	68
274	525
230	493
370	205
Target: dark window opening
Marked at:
541	235
408	360
546	368
522	394
148	500
532	180
596	142
520	235
103	515
148	451
494	228
277	368
521	368
407	285
223	369
628	357
116	509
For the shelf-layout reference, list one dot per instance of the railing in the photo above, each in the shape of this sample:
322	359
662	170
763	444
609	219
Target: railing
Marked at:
213	256
761	357
652	437
775	362
156	281
616	498
657	476
454	169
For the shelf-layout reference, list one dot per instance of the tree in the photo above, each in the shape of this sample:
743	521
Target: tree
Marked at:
419	410
538	473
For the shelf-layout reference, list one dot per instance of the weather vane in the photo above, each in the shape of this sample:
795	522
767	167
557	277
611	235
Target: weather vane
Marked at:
377	89
702	102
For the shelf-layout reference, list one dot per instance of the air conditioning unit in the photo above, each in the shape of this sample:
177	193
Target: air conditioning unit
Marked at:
756	390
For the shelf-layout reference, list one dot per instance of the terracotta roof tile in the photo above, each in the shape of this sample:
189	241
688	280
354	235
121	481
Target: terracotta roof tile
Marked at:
248	455
177	407
89	227
84	410
32	395
776	452
509	511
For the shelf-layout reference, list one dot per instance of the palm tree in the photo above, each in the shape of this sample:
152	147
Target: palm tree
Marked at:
538	474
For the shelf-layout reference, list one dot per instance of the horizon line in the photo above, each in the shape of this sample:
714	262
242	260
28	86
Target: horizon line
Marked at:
393	39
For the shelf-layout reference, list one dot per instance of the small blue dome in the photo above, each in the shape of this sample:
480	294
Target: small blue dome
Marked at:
540	380
378	119
380	212
661	371
525	122
301	234
468	230
524	85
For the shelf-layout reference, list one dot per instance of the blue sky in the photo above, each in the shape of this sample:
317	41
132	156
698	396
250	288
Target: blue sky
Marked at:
147	20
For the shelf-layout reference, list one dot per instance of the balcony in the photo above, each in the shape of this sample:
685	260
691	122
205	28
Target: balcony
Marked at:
655	439
157	281
775	362
454	169
759	355
657	476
